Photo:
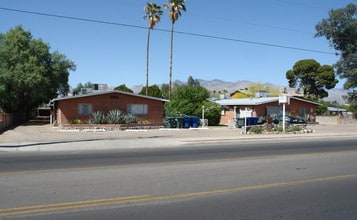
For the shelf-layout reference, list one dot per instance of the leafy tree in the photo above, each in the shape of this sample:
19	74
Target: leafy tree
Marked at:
80	86
322	108
29	74
340	29
192	82
165	90
188	100
212	112
253	88
153	91
153	13
123	88
312	77
175	7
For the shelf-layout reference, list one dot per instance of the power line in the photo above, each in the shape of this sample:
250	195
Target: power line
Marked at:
242	21
164	30
303	4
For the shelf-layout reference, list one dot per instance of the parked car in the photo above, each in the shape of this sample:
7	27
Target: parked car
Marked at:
289	119
261	120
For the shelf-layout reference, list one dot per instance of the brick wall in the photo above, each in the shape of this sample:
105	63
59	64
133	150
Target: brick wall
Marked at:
294	108
296	105
67	109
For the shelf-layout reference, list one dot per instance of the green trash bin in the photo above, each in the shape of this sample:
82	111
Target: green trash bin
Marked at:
240	122
179	122
170	122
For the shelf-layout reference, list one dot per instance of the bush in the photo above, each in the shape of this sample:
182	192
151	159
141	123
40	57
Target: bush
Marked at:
97	118
130	119
296	128
278	129
75	122
256	129
115	117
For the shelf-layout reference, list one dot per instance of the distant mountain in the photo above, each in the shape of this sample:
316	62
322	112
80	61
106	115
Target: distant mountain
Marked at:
220	85
336	95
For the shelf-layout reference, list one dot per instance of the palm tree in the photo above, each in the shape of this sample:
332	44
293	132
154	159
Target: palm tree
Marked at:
175	7
153	13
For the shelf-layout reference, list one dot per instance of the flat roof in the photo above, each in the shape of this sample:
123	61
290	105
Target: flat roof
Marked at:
255	101
247	101
108	92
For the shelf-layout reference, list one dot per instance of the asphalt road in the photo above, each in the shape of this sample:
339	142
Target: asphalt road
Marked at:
20	161
304	179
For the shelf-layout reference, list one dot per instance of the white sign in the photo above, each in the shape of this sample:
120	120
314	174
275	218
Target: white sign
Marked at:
284	100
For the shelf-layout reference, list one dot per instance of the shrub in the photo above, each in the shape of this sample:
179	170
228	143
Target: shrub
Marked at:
256	129
75	121
130	119
296	128
115	117
97	118
278	129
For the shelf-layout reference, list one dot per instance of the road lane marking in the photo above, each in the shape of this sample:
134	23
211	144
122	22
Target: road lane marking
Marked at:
174	162
147	198
69	205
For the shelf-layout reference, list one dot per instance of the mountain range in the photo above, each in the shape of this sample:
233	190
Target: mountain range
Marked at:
335	95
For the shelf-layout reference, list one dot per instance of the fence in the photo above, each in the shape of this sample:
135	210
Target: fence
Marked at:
11	119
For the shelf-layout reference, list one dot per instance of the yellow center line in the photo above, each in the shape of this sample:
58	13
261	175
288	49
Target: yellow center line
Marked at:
146	198
70	205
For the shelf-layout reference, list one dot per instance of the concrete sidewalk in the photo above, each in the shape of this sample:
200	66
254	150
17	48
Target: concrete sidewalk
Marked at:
48	138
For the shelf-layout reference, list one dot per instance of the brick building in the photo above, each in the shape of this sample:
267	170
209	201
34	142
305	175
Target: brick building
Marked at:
81	107
233	108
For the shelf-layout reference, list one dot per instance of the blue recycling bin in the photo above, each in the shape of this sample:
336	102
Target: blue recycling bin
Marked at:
252	121
195	121
187	122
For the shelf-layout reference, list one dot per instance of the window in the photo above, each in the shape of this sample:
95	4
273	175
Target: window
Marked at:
303	111
137	109
85	109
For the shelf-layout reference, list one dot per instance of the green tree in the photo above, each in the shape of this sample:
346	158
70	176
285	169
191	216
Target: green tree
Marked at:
253	88
123	88
80	86
29	74
312	77
212	112
175	7
192	82
153	13
165	90
188	100
340	29
322	108
153	91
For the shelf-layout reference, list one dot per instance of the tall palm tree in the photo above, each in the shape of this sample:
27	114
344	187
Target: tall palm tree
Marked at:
175	7
153	13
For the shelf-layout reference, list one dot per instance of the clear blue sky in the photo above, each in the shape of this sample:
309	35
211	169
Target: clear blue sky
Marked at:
115	54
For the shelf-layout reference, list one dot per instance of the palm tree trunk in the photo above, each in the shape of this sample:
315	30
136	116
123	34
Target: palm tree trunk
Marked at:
171	46
147	62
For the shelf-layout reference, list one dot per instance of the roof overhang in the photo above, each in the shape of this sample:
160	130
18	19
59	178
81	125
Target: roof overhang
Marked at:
108	92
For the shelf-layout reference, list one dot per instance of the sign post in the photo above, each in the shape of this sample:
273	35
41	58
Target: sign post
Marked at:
283	100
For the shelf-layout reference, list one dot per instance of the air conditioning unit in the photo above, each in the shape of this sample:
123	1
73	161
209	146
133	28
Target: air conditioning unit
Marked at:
86	91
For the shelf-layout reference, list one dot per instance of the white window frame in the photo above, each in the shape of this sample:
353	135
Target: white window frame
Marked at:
85	108
138	109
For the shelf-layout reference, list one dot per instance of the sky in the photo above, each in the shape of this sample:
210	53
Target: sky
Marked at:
232	40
